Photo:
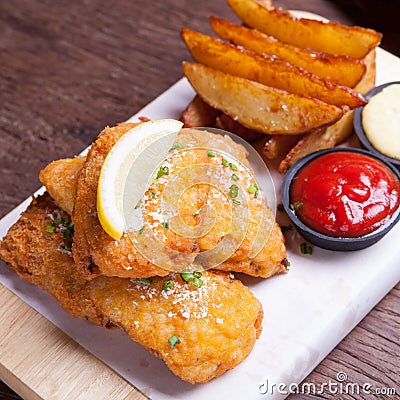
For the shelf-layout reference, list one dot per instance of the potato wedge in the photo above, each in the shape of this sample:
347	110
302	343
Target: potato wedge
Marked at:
266	70
328	37
276	145
257	106
336	133
367	82
227	123
343	70
198	113
319	139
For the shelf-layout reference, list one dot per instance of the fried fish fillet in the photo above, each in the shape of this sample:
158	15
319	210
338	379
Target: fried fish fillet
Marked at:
98	254
215	326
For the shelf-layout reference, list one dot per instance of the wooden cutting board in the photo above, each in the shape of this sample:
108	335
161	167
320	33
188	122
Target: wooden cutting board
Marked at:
39	361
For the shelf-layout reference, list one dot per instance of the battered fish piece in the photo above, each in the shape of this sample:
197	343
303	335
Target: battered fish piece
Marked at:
60	178
97	253
215	326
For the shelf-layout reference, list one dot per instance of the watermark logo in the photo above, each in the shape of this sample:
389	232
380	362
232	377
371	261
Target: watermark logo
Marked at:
341	386
202	204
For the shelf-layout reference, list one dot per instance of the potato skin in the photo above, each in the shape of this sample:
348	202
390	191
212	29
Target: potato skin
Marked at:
277	111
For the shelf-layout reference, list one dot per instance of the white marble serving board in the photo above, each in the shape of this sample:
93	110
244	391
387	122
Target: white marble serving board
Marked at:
307	311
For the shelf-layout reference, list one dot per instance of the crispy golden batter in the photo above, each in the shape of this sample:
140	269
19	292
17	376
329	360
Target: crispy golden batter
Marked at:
217	324
98	254
60	179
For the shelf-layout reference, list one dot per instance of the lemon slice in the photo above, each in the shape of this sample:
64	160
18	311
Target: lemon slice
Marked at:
136	155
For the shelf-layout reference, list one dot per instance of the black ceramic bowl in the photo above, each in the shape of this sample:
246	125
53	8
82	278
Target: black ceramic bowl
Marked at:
359	129
331	242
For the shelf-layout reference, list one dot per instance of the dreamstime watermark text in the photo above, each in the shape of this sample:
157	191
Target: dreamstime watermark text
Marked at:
340	386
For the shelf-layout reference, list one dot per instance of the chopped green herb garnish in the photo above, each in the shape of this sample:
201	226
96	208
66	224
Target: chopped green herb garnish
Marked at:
173	340
162	171
155	182
165	225
196	213
152	195
280	207
193	277
197	282
168	285
141	230
177	145
225	163
236	201
233	191
210	154
296	205
66	246
306	248
233	166
58	221
286	228
50	228
144	281
235	177
253	189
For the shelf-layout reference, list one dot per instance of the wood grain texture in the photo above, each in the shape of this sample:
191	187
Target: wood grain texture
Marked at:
70	68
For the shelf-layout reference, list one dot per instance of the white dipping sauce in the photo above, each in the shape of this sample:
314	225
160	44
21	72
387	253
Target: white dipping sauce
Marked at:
381	121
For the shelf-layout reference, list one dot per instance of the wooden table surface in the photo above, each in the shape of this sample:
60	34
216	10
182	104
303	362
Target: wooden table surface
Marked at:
68	68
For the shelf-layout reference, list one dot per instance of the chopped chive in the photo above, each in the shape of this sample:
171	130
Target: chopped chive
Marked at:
236	201
141	230
165	225
196	213
173	340
197	282
168	285
193	277
66	246
233	166
253	189
235	177
286	228
306	248
144	281
162	171
210	154
177	145
152	195
58	221
296	205
225	163
280	207
50	228
233	191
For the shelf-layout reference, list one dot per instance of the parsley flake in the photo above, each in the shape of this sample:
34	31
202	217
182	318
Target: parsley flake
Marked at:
165	225
306	248
173	340
168	285
210	154
144	281
253	189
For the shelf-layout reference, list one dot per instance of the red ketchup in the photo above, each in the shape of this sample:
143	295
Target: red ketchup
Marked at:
345	194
